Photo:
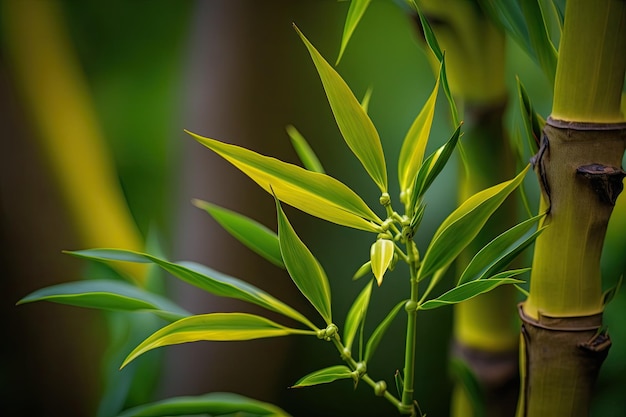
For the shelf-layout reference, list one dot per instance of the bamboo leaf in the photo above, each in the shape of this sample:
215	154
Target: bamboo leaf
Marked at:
213	404
252	234
324	376
355	125
533	122
365	102
363	270
542	46
356	315
305	271
108	295
355	13
470	290
431	168
460	227
317	194
213	327
380	330
463	374
415	141
203	277
304	150
501	251
381	254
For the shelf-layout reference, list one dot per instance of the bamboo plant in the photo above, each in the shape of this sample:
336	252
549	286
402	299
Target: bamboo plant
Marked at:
320	195
578	167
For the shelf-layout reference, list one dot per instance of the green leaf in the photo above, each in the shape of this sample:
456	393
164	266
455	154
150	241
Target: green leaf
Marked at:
432	167
312	192
304	150
365	102
305	271
355	13
542	46
356	315
415	141
462	226
471	289
355	125
399	382
381	254
202	277
108	295
324	376
609	294
213	404
363	270
501	251
213	327
380	330
464	376
252	234
533	122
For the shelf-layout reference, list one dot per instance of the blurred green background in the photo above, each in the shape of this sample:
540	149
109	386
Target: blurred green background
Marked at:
233	70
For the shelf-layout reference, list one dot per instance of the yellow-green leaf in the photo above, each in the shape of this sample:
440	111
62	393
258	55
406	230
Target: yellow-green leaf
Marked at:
304	150
460	227
381	254
414	145
355	13
213	327
324	376
305	271
355	125
317	194
356	315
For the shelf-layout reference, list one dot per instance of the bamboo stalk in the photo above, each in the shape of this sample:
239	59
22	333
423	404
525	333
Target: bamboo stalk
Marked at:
55	93
578	166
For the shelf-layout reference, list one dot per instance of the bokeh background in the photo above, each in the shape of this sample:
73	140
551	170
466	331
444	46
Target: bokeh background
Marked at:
234	70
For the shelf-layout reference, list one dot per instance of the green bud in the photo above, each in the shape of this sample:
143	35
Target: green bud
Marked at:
385	199
380	388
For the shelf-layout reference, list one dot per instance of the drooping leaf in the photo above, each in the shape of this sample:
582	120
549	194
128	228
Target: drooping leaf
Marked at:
471	289
381	254
460	227
324	376
305	271
464	376
312	192
213	404
379	332
202	277
415	141
214	327
304	150
108	295
355	125
356	315
432	167
501	251
355	13
251	233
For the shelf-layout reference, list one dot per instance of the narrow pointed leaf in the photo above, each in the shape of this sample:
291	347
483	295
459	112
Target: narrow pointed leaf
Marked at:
540	40
213	404
462	226
380	330
213	327
312	192
432	167
356	316
355	125
415	141
108	295
305	271
304	150
355	13
251	233
533	122
202	277
324	376
503	248
399	382
365	102
363	270
470	290
381	254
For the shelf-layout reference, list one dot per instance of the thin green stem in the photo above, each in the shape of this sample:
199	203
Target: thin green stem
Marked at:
411	329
